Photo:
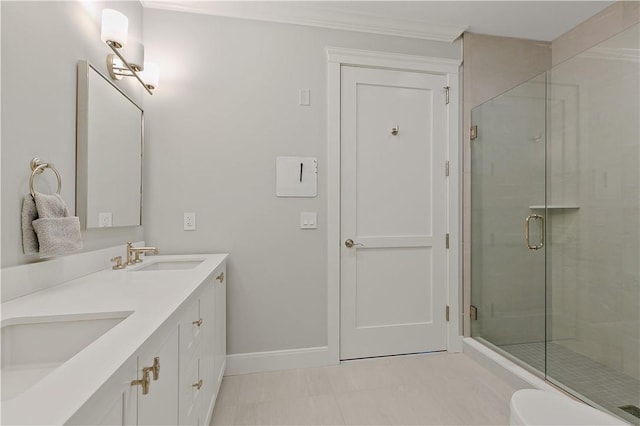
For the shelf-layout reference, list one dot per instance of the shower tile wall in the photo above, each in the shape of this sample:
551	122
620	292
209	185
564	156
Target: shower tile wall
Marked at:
593	162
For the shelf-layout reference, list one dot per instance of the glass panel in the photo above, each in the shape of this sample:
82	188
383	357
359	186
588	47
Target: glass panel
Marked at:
507	186
593	252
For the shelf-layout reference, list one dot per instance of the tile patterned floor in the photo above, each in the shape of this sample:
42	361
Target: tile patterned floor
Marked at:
447	389
601	384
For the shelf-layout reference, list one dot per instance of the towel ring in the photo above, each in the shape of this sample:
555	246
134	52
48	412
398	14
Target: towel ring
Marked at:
37	167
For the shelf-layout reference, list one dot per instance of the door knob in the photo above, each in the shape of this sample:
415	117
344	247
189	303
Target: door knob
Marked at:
349	243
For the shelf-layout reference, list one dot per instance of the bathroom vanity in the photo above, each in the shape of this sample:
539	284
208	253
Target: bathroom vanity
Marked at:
145	345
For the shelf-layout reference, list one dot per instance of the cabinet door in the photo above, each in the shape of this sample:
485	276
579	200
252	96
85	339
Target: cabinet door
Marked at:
160	405
115	402
220	346
190	392
192	326
207	367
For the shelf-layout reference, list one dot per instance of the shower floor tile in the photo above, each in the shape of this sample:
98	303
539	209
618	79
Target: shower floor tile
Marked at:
593	380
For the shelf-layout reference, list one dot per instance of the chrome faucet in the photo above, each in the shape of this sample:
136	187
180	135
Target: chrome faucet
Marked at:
133	253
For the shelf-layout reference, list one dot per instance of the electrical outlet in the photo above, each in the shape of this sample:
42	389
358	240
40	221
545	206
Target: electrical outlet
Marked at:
189	221
105	220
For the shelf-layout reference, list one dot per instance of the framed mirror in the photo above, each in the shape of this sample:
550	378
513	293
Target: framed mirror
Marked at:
109	149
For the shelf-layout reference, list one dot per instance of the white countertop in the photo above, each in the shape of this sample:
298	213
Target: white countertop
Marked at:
152	296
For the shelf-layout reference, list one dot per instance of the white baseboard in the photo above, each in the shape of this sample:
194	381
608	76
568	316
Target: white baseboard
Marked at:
258	362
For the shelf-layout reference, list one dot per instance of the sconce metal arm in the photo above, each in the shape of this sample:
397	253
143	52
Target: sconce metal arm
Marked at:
129	67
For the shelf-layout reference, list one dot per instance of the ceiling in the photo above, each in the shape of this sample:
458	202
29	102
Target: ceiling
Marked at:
435	20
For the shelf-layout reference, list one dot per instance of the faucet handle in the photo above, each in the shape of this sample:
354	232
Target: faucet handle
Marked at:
118	265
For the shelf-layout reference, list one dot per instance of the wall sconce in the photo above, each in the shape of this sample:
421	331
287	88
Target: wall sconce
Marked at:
114	33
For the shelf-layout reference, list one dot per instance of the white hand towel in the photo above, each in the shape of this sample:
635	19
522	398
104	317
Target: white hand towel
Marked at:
57	232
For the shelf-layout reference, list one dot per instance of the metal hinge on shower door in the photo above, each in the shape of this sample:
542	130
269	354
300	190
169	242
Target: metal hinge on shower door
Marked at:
473	312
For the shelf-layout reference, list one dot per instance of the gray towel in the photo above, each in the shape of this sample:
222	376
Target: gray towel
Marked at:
56	232
58	235
29	214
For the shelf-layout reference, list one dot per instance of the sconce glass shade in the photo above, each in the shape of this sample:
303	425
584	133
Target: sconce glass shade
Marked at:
151	75
134	53
115	27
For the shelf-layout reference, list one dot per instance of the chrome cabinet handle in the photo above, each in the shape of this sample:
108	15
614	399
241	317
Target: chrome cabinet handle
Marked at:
395	130
220	277
527	228
198	323
349	243
197	385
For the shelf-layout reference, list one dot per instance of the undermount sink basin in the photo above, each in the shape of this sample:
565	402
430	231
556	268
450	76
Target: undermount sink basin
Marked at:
34	347
169	265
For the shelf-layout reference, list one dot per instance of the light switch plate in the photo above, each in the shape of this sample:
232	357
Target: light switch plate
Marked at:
304	96
308	220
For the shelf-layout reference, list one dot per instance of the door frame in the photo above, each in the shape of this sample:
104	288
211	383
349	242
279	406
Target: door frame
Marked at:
336	58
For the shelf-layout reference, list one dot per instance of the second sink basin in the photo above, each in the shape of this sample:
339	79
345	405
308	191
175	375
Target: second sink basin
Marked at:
169	265
34	347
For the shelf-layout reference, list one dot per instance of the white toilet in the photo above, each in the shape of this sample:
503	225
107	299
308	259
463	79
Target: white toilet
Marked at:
537	407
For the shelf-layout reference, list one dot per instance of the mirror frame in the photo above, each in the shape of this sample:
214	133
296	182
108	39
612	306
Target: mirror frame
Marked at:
82	143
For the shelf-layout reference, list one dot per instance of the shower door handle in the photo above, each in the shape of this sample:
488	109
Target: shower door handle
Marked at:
527	228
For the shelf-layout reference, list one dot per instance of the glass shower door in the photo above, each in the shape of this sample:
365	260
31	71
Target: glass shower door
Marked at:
593	255
508	203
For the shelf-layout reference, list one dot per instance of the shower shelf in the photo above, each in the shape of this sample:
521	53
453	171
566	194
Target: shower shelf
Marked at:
554	206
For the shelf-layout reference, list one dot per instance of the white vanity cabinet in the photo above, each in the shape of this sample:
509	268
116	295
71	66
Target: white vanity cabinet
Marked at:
188	352
202	343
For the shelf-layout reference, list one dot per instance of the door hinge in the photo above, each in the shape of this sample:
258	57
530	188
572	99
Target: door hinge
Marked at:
446	313
473	132
446	168
473	312
446	94
446	240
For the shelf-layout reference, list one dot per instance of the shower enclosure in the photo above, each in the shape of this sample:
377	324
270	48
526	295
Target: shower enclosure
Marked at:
555	225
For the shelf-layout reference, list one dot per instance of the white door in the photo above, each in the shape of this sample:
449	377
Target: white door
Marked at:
393	208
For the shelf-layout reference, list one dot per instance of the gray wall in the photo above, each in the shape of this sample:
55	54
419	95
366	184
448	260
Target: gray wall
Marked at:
227	105
42	43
